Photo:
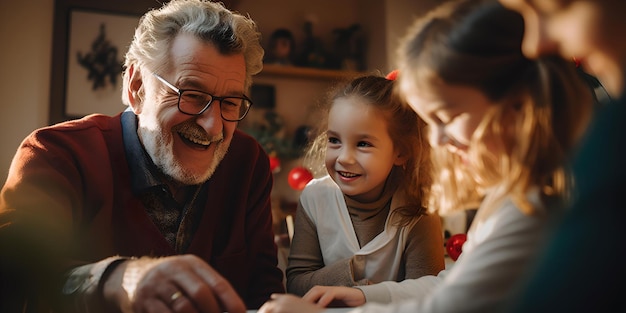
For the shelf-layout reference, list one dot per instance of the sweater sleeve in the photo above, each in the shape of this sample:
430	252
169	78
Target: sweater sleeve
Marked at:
265	278
38	206
391	291
424	249
85	284
306	267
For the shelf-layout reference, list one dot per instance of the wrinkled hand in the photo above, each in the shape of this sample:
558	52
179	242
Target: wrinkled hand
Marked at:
287	303
182	283
325	295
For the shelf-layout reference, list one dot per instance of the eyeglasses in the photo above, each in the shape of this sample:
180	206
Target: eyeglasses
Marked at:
195	102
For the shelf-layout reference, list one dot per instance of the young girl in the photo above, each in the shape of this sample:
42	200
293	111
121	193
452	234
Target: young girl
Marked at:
501	126
365	220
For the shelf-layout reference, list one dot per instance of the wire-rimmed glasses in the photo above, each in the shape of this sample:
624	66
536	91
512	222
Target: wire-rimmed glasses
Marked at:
195	102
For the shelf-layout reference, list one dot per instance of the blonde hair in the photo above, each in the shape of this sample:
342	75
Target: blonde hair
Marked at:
405	128
211	22
541	107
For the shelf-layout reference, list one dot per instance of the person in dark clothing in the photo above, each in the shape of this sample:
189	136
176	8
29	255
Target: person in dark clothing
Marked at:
582	265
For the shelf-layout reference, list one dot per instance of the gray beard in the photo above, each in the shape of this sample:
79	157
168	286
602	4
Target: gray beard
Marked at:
159	145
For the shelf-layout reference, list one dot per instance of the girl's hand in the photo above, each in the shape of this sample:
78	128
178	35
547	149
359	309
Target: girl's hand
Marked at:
286	303
324	296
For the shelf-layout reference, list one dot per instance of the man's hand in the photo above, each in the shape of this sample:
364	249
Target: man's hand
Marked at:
325	295
182	283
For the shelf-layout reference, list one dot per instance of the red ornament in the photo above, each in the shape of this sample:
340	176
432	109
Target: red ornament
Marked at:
454	245
299	177
274	164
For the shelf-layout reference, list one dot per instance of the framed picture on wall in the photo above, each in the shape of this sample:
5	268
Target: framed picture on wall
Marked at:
95	50
90	38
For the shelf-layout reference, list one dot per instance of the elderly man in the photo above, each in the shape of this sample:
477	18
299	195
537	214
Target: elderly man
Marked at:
163	207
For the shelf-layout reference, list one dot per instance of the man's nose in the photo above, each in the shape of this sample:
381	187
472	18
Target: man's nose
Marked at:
211	119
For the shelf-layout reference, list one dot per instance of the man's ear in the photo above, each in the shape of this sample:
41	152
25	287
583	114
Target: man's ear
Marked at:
135	89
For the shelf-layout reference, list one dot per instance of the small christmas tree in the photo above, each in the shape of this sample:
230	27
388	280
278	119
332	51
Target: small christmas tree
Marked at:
269	135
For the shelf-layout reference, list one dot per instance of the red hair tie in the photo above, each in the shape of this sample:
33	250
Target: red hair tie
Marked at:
392	75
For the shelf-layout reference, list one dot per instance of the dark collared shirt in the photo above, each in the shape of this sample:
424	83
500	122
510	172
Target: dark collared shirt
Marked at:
174	220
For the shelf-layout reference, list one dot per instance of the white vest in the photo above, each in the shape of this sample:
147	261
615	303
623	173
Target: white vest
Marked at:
324	203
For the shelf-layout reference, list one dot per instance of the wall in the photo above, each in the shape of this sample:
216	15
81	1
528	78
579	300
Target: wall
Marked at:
400	14
26	36
384	22
273	14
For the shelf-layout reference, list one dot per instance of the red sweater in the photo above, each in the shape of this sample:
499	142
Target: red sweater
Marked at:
72	180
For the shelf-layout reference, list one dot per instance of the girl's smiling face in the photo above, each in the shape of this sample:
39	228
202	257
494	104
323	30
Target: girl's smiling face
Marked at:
360	152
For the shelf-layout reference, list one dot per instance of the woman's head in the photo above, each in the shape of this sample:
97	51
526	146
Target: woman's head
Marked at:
507	120
460	44
590	31
367	130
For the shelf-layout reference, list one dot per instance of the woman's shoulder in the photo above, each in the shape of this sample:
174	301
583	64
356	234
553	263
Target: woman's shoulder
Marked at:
508	219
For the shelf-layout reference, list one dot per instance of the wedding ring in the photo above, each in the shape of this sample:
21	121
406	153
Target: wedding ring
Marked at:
175	296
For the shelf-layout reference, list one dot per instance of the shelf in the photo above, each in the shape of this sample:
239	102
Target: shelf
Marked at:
289	71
